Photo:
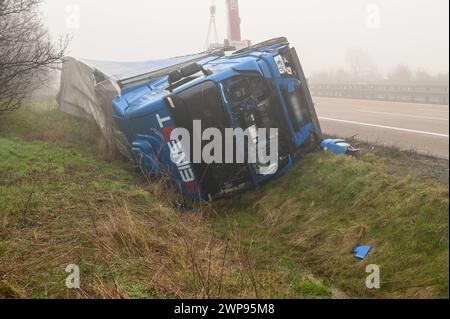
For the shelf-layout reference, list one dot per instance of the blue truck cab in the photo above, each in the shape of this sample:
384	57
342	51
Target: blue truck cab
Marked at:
262	86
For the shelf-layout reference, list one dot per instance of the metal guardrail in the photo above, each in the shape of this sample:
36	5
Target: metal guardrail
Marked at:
398	93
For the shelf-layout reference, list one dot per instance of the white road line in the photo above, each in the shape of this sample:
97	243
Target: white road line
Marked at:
385	127
436	111
406	115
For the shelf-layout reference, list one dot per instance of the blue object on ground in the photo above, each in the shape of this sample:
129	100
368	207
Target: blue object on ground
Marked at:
338	146
361	252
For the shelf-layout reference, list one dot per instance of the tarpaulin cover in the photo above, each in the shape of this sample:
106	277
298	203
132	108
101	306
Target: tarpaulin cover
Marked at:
88	87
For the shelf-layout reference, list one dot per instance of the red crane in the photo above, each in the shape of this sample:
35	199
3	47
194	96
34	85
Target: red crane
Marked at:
234	21
234	27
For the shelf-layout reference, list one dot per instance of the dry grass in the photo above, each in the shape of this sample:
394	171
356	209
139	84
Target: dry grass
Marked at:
61	207
62	203
400	162
331	204
129	240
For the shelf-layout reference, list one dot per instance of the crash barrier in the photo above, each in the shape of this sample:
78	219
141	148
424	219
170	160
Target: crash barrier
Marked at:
437	94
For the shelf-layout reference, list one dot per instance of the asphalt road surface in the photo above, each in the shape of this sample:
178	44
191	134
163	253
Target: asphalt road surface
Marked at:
409	126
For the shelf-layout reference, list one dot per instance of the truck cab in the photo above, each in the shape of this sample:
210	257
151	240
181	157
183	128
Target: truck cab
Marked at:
262	86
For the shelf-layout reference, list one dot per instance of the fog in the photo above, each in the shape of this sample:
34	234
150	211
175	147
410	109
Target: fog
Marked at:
391	32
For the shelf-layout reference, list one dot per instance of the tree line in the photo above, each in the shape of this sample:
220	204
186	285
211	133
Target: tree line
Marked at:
361	70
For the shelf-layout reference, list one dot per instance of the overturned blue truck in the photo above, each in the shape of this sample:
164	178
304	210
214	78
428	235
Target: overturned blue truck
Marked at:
139	105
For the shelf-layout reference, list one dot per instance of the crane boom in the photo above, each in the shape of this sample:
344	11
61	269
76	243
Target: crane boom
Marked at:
234	38
234	21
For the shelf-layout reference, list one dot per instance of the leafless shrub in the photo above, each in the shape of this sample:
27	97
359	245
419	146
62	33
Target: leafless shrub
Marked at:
27	53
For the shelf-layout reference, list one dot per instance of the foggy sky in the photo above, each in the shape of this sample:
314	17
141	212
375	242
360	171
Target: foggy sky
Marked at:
413	32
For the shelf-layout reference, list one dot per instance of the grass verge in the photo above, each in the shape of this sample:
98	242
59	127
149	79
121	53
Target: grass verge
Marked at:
62	202
330	204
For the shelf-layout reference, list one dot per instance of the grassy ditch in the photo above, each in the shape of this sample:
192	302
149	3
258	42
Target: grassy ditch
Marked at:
330	204
63	202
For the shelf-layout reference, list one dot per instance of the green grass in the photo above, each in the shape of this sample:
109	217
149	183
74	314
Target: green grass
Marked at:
286	277
330	204
41	122
47	194
62	201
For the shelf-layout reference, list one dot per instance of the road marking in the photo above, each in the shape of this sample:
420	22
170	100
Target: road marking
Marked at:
405	115
437	111
385	127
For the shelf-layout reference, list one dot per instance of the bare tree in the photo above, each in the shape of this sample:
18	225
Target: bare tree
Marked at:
422	77
442	78
360	64
27	53
401	74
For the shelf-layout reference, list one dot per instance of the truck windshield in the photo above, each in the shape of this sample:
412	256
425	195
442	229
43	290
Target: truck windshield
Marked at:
253	105
203	102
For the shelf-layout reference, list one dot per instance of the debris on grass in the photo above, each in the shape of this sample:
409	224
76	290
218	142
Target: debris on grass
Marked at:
361	252
338	146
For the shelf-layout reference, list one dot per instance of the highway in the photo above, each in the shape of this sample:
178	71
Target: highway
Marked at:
409	126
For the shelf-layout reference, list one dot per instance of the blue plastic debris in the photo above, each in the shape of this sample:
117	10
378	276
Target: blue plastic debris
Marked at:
361	252
338	147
